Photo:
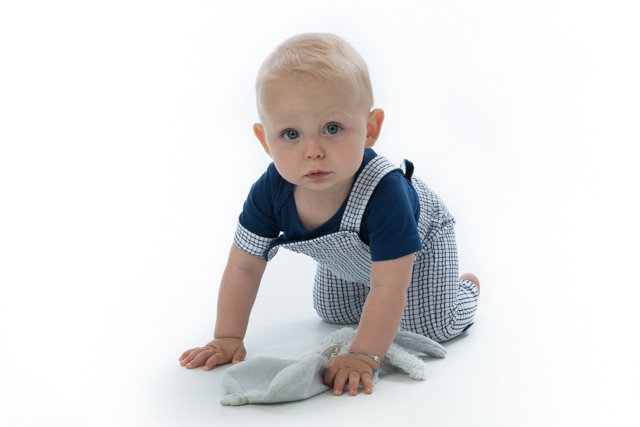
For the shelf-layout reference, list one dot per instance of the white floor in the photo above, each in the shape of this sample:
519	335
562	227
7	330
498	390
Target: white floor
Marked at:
128	371
127	151
103	350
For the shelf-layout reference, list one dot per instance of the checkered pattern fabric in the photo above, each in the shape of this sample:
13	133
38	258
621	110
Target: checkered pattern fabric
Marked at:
252	243
438	306
337	300
362	190
435	218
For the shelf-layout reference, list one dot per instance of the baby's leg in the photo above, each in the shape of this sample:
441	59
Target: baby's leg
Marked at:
336	300
439	304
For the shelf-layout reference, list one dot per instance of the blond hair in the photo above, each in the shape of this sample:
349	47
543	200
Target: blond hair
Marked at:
324	56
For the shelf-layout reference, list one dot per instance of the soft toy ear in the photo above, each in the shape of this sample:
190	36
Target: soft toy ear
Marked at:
420	343
404	362
342	336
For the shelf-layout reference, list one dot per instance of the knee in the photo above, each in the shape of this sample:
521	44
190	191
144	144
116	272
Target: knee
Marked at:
337	314
471	278
338	318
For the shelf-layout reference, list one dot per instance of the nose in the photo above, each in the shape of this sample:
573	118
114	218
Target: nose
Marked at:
313	150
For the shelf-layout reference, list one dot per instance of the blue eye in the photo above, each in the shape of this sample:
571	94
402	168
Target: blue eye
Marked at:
332	129
291	134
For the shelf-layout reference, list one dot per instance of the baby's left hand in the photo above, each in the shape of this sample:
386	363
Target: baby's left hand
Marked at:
350	367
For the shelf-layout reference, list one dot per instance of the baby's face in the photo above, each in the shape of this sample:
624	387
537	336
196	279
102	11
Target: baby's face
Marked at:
314	131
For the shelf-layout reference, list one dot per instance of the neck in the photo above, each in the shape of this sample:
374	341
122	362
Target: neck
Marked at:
317	207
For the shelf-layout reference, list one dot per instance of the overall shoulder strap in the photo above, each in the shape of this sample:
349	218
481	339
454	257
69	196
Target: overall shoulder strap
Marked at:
370	176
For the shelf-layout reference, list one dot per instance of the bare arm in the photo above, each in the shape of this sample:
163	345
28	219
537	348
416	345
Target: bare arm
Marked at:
238	290
385	303
378	327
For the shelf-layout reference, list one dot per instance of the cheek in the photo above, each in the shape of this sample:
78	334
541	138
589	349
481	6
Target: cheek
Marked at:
352	158
282	155
283	161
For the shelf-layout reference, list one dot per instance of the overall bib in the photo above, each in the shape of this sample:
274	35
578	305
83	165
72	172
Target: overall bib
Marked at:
438	306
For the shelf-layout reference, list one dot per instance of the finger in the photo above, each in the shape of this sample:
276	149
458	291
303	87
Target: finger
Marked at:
216	359
354	381
330	375
191	356
200	358
366	382
185	354
339	382
239	355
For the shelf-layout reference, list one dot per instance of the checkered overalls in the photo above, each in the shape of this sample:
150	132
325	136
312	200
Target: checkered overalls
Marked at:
439	306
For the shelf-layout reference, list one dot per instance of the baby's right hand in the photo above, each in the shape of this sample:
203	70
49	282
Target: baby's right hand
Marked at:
217	352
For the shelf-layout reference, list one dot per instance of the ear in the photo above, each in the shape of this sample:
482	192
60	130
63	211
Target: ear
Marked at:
374	124
258	129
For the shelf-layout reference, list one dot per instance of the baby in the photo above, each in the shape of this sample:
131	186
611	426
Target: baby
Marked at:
384	242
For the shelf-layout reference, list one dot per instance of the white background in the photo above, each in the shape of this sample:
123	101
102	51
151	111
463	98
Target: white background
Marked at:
127	151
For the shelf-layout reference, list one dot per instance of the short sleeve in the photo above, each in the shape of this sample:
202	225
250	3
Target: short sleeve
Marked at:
257	226
391	218
251	243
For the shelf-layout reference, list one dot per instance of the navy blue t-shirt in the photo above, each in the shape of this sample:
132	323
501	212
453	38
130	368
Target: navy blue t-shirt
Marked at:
389	225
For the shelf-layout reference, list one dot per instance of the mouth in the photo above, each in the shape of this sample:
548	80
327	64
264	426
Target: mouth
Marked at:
316	175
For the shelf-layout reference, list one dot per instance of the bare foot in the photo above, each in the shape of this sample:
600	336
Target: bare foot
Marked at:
472	278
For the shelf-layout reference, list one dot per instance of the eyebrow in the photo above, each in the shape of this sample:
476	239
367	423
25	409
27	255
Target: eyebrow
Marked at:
333	116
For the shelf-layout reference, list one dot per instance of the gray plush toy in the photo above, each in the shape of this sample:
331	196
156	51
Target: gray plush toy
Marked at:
274	380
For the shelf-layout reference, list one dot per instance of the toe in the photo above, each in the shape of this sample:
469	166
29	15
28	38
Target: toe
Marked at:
471	278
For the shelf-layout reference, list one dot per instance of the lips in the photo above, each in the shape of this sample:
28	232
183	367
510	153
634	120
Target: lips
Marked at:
316	175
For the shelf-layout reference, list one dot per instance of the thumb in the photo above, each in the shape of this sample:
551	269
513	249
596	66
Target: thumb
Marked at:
239	355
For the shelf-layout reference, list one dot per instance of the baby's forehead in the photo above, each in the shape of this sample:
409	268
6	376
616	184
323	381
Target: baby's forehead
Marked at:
282	90
301	80
283	111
